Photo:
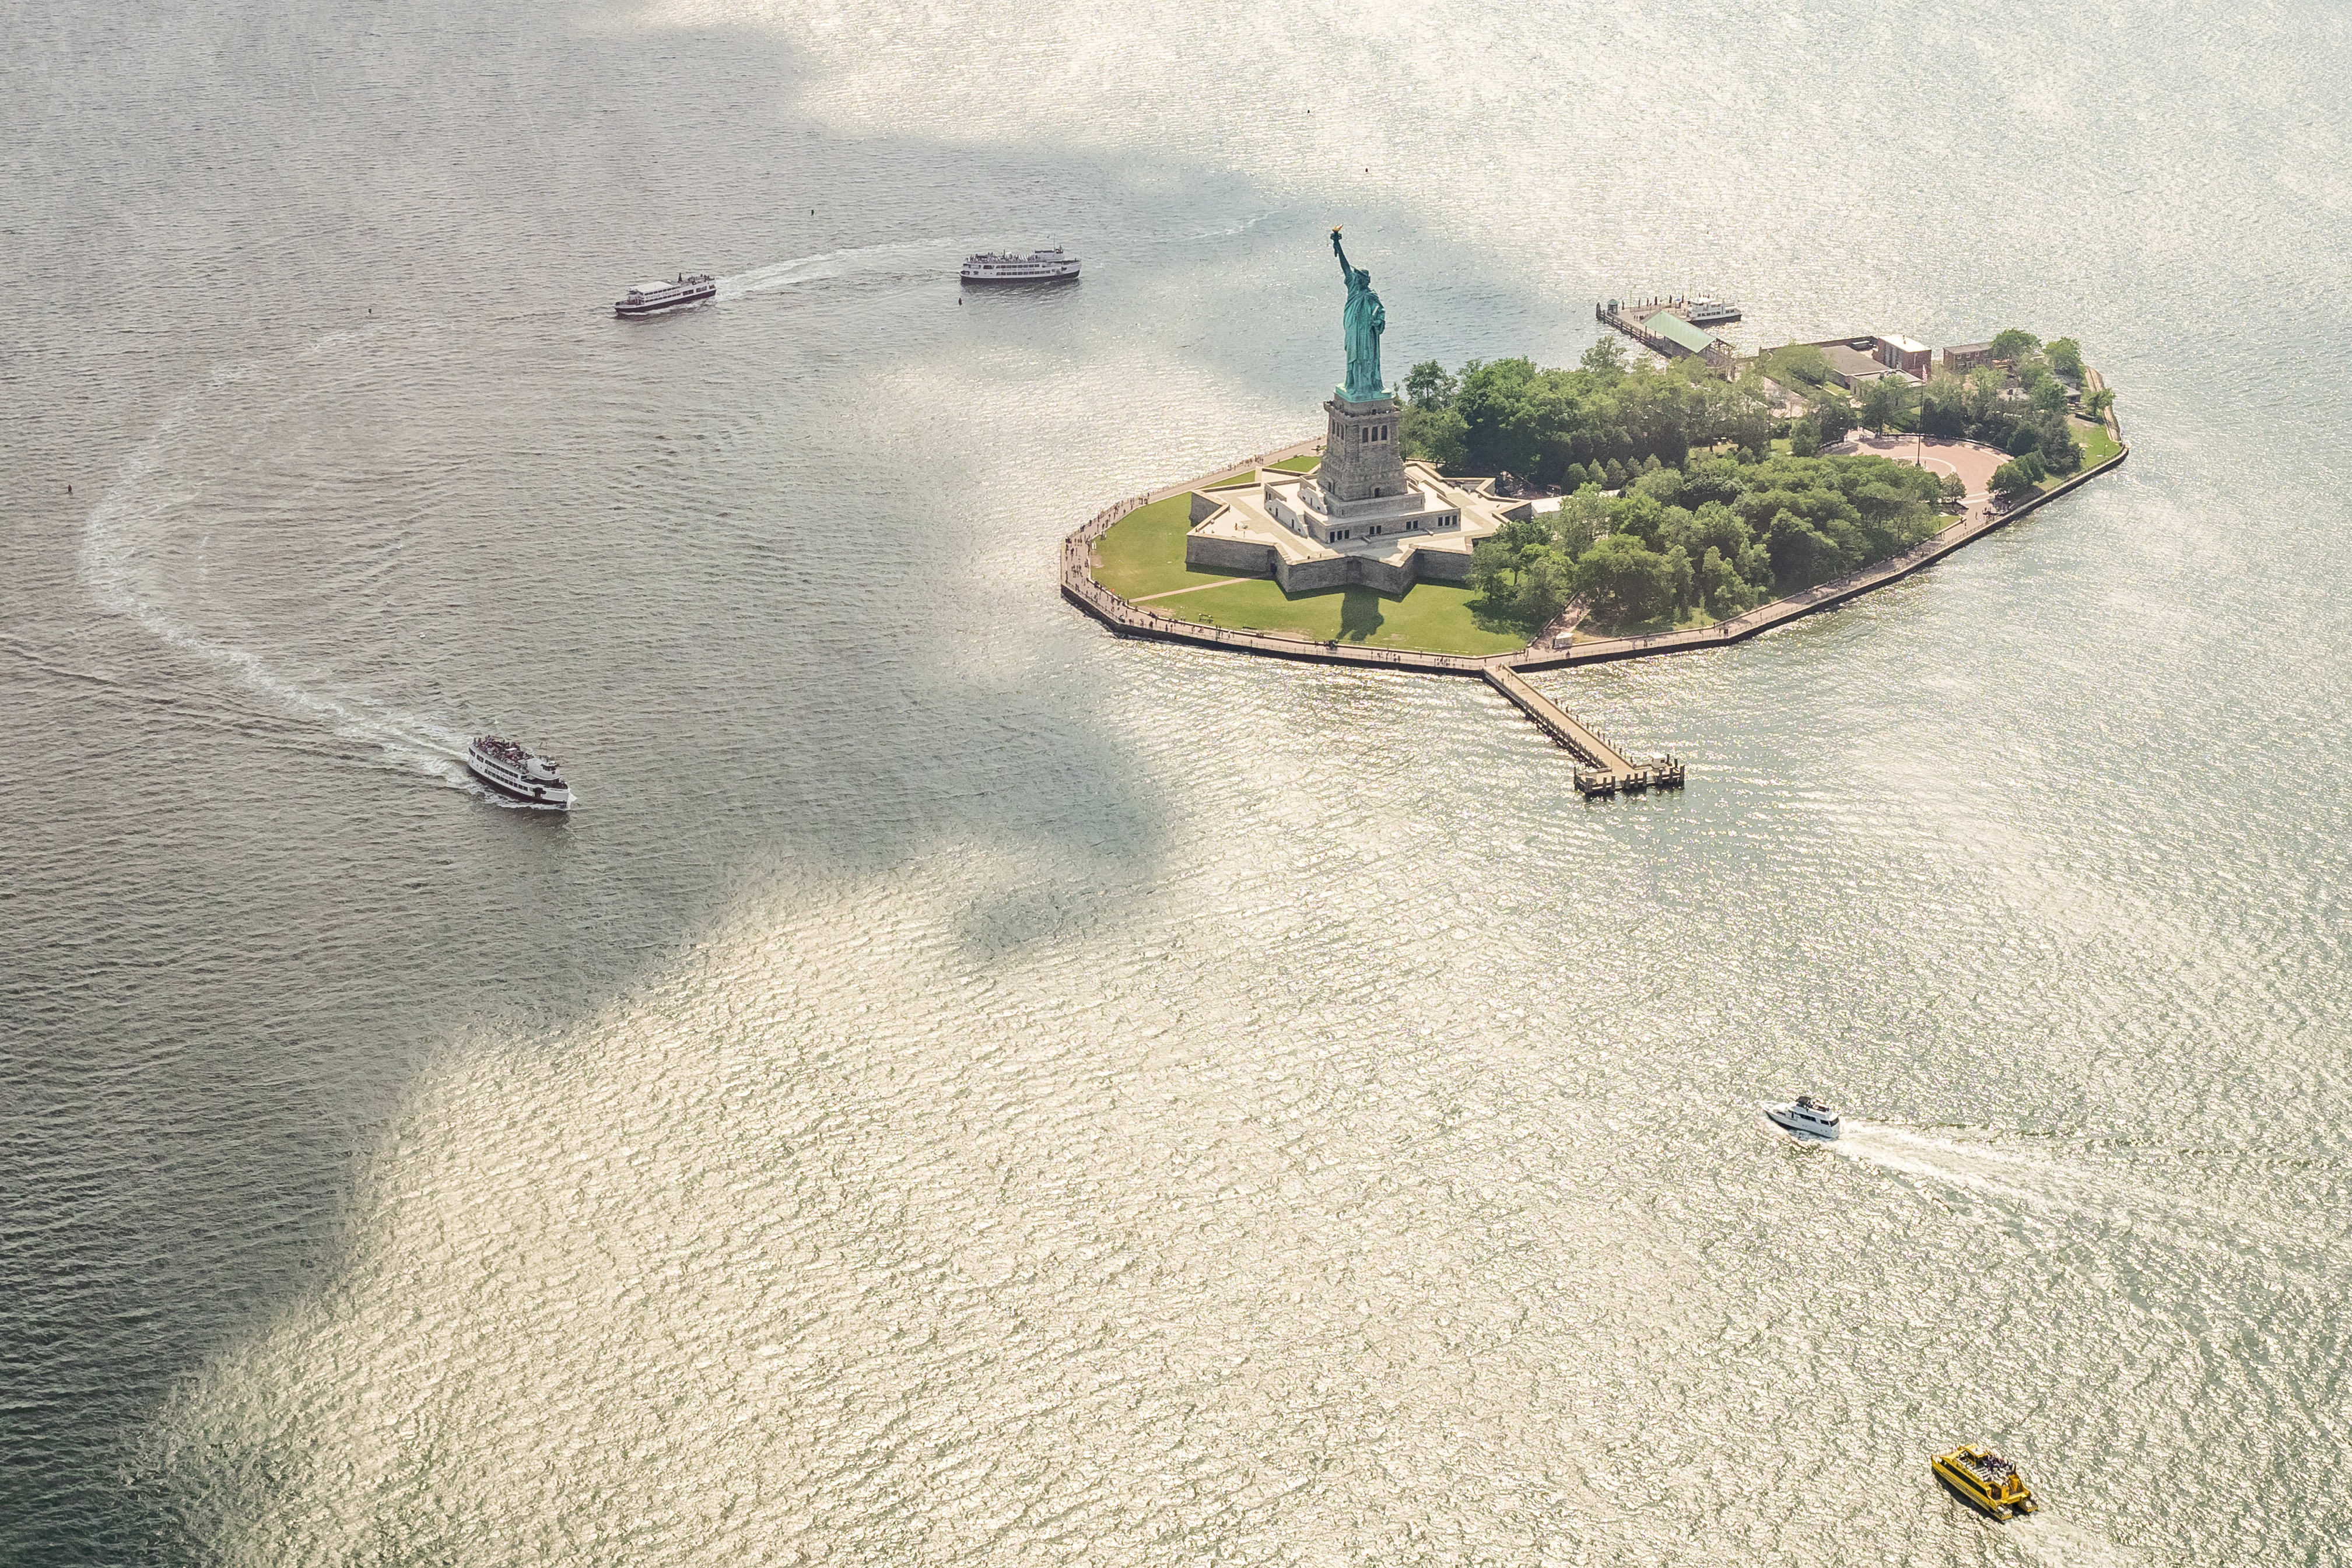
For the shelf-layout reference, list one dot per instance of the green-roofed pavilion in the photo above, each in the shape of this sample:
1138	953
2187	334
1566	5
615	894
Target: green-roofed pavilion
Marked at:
1679	332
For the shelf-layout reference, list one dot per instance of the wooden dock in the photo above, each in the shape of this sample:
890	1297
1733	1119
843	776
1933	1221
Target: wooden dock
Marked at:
1606	769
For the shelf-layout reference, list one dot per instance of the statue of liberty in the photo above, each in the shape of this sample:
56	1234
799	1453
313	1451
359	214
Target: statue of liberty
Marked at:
1366	318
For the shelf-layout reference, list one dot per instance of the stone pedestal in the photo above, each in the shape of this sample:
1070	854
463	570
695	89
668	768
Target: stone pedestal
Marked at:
1361	459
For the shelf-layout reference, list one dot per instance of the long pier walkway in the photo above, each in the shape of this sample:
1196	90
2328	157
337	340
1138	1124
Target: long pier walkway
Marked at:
1607	770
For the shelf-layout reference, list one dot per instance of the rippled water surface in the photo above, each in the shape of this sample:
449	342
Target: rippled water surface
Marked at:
965	1089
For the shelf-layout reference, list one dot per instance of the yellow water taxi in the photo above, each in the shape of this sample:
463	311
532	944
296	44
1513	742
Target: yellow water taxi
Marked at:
1983	1480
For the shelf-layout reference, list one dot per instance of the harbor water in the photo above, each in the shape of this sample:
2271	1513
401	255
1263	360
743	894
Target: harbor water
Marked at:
964	1089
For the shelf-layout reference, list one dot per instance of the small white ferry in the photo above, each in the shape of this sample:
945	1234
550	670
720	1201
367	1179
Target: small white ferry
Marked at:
1805	1117
651	299
512	770
1003	267
1710	312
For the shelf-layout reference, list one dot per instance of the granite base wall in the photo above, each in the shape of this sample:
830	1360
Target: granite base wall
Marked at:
1352	571
1238	556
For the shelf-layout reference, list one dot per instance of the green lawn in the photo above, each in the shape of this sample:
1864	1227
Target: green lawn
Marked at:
2097	445
1236	479
1143	555
1144	552
1434	616
1307	465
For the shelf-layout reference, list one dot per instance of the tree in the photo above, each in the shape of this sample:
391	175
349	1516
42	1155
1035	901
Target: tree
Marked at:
1582	517
1606	359
2060	452
1832	416
2018	476
1518	573
1954	488
1613	472
1435	434
2095	406
1885	401
1804	437
1575	479
1983	395
1748	424
1545	584
1802	555
2066	356
1625	578
2014	344
2050	395
1943	406
1427	384
1661	485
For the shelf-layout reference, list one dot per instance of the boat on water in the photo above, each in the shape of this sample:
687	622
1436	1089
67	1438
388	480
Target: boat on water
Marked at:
1003	267
1984	1481
1710	312
516	770
1805	1117
653	299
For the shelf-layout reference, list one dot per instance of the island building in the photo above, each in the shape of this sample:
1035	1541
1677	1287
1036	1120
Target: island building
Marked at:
1906	354
1365	515
1966	357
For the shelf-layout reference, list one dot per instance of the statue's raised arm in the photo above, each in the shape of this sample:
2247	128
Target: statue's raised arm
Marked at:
1343	254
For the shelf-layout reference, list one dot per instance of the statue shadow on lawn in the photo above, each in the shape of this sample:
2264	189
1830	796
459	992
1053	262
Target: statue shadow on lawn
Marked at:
1359	614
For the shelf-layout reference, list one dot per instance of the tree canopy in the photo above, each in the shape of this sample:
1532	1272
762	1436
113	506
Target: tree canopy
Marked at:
1428	386
1713	534
2014	343
1518	419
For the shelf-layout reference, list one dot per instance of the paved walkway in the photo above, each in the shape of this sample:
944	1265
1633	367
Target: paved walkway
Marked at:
1148	598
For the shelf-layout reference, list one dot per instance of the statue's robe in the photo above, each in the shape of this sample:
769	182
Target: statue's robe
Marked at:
1366	320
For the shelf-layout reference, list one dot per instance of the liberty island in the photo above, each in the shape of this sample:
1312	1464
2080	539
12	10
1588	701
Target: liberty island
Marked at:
1365	546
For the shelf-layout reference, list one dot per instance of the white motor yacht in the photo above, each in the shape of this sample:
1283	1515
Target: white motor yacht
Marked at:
1805	1117
514	770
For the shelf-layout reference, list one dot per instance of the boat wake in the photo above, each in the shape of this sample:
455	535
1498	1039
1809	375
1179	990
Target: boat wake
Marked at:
2113	1199
115	548
938	257
2048	1539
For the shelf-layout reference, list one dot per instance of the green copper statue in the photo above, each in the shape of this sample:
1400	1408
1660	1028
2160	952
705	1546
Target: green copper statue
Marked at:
1366	320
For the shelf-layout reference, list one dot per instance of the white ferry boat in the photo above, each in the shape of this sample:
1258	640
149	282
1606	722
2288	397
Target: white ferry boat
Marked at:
1003	267
651	298
512	770
1710	312
1805	1117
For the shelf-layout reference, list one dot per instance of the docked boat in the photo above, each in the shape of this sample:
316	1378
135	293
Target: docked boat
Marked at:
1984	1481
517	771
1805	1117
1003	267
653	299
1710	312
